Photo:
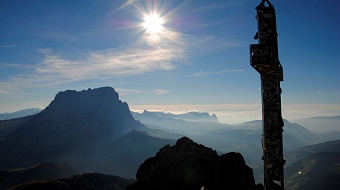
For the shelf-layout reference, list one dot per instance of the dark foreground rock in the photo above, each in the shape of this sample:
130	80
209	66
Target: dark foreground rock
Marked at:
190	166
88	181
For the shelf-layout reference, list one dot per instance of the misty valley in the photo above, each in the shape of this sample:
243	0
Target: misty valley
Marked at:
91	140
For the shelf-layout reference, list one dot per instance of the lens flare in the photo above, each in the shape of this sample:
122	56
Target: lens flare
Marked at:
153	23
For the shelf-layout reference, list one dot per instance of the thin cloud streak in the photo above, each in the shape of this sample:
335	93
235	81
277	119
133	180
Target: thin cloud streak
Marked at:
127	3
113	63
216	72
8	46
160	92
108	64
124	92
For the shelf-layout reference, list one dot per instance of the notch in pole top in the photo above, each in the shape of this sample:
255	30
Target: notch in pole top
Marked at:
264	1
262	5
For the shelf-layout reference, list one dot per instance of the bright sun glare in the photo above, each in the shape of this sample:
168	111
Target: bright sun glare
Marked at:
153	23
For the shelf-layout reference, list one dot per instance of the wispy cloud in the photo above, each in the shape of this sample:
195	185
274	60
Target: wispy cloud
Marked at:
201	73
107	64
142	57
146	55
160	92
127	3
8	46
123	91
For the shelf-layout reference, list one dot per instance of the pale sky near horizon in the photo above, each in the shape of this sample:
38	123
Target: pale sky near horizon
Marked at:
198	60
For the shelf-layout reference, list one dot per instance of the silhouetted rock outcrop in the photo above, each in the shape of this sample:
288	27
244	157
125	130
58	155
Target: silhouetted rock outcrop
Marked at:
75	128
188	165
97	107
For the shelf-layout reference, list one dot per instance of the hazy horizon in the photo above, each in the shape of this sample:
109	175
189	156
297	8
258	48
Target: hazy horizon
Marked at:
168	55
235	113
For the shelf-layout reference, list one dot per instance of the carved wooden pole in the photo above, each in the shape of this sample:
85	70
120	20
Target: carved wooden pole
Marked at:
264	59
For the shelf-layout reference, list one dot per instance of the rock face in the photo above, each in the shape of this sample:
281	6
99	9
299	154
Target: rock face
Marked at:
92	107
75	128
188	165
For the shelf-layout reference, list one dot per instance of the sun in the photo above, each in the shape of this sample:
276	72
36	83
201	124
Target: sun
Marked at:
153	23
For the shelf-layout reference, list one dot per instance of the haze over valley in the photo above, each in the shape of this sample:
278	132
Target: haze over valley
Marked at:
163	95
93	131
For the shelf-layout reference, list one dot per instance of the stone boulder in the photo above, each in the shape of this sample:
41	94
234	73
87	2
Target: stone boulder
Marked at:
190	166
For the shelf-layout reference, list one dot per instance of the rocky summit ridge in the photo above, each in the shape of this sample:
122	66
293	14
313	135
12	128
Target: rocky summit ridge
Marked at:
188	165
100	106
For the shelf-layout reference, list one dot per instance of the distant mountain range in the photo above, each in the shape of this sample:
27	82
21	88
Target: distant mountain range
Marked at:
321	124
21	113
295	135
93	131
244	138
189	116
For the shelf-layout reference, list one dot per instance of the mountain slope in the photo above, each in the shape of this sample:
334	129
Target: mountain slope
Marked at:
123	156
293	156
76	125
89	181
318	171
321	124
9	126
47	170
294	135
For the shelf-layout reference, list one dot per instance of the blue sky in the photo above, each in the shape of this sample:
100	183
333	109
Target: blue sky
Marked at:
198	61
